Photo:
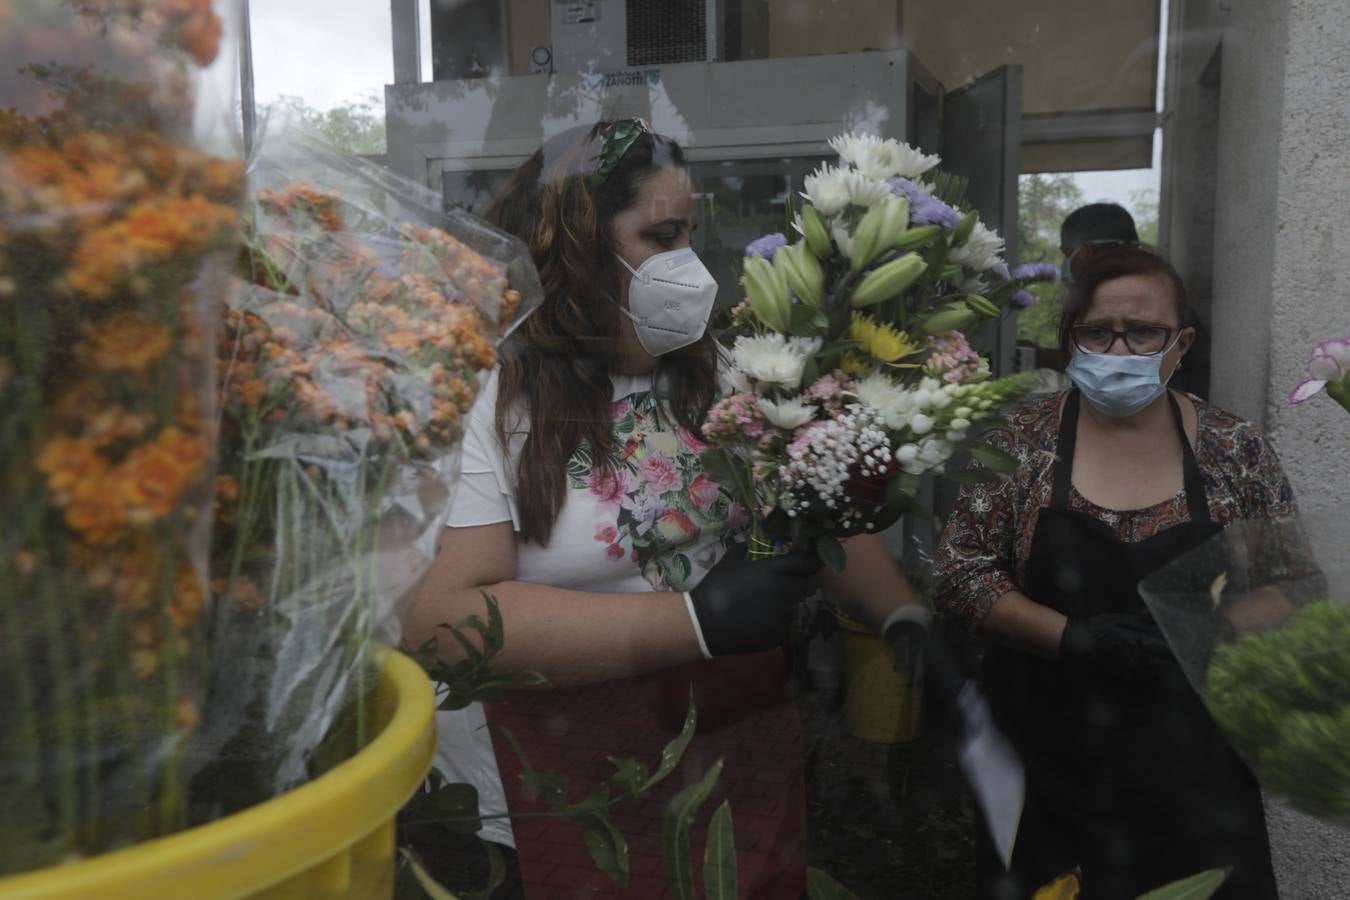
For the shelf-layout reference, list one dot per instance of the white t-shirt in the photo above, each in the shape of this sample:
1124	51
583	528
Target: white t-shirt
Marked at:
653	522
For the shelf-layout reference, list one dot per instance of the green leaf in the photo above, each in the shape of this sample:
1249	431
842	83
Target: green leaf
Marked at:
807	321
680	815
424	879
606	844
549	786
719	856
810	373
831	552
671	754
630	777
1197	887
453	804
718	466
995	459
821	886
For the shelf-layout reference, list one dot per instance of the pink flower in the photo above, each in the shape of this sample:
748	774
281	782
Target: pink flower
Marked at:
659	474
703	492
691	441
609	486
676	527
606	534
621	408
1329	364
614	552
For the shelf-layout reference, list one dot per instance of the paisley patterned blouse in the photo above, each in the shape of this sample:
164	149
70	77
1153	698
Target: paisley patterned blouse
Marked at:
987	540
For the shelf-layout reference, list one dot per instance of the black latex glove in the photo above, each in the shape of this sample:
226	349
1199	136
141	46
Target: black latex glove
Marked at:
919	654
745	606
1122	645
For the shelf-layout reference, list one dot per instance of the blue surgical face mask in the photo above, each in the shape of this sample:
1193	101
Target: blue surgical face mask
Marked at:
1118	386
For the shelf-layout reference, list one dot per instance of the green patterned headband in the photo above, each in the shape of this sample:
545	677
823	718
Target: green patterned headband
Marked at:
616	140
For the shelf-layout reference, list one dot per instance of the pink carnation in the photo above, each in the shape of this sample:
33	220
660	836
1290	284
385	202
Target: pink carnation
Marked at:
734	419
952	358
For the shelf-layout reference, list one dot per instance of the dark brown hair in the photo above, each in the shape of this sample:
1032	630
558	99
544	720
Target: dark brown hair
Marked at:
1107	262
556	367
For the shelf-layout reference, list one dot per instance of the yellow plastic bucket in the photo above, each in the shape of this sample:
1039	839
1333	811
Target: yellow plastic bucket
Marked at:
880	705
331	839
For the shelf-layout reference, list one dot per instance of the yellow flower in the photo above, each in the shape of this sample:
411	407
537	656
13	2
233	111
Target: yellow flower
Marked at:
881	341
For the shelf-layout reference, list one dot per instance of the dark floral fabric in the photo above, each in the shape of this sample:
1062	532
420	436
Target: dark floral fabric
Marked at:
985	545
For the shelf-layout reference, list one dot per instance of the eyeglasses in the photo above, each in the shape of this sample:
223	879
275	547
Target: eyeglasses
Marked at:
1141	340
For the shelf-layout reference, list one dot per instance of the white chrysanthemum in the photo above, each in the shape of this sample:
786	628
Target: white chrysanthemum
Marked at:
895	404
982	250
874	157
831	190
774	358
789	414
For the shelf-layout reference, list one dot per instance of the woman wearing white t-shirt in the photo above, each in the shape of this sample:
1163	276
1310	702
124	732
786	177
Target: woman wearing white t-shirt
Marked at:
616	561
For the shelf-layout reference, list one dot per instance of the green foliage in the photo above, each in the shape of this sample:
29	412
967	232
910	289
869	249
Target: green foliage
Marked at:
821	886
1198	887
680	817
719	857
1284	698
356	126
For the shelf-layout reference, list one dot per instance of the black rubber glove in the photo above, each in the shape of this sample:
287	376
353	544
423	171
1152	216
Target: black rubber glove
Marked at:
918	654
745	606
1122	645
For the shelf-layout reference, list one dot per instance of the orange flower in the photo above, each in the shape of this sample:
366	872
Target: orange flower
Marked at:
246	594
188	598
153	477
68	462
186	714
252	391
25	563
129	343
96	512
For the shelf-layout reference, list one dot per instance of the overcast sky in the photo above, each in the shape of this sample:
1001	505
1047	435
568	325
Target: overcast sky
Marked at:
329	52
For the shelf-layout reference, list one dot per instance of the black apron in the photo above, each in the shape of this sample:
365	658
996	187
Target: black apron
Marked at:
1128	780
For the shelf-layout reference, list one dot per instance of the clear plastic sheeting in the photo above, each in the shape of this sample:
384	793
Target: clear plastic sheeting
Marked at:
350	355
1259	617
116	226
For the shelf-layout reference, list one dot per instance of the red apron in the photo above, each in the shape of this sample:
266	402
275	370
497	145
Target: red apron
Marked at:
746	717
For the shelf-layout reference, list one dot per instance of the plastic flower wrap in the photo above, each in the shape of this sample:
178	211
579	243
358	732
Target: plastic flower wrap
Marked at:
851	371
1259	617
349	358
114	232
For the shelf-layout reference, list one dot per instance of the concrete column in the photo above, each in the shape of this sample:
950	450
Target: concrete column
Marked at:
1280	279
407	41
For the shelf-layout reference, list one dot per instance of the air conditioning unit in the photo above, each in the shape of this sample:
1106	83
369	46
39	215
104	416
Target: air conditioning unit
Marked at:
614	35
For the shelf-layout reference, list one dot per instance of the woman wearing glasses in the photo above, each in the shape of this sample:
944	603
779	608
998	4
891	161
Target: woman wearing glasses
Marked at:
1128	778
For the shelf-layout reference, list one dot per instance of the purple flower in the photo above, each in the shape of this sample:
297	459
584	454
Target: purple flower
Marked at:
1023	298
924	209
766	246
1037	271
1001	272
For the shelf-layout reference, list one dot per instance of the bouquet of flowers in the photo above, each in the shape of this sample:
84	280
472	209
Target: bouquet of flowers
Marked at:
350	354
851	370
1259	618
115	229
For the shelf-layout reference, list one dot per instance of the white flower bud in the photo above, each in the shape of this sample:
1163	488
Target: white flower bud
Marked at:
921	424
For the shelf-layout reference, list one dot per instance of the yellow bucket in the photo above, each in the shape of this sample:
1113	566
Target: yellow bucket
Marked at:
331	839
880	705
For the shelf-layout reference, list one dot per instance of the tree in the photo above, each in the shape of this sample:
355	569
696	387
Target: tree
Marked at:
1144	208
1043	201
356	126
